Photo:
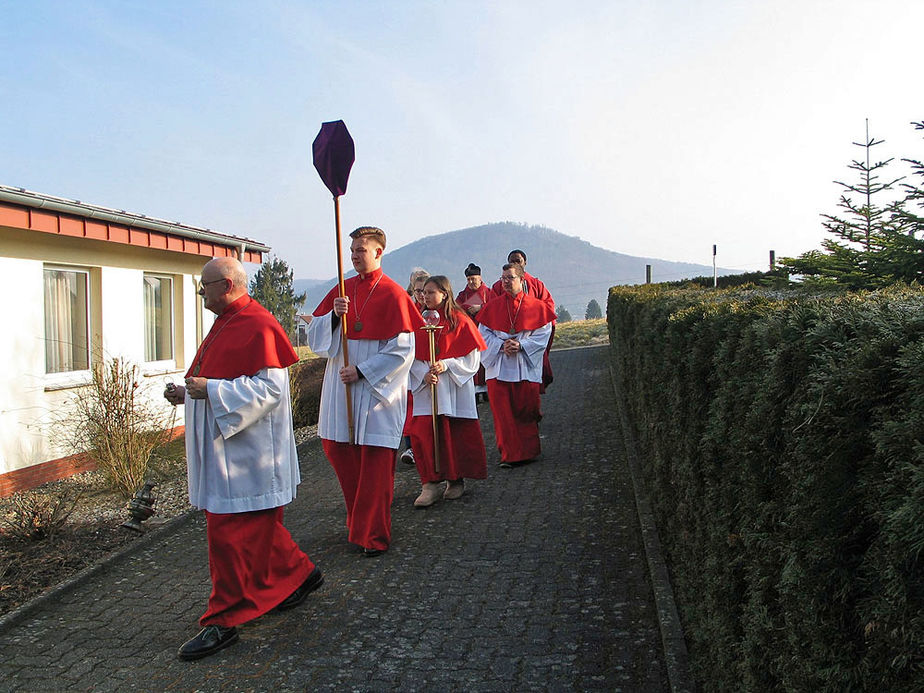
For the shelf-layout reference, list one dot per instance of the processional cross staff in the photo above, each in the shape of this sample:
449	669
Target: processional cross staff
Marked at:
432	318
333	154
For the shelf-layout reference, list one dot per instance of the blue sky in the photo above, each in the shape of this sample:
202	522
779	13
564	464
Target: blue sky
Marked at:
649	128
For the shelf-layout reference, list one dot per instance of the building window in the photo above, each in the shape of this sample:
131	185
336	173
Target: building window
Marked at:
158	318
66	321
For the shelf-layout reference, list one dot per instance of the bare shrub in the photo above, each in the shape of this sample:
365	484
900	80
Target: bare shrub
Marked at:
305	378
117	425
33	515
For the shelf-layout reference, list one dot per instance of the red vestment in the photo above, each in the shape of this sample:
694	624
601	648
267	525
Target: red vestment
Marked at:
462	453
243	340
253	562
366	473
516	406
533	286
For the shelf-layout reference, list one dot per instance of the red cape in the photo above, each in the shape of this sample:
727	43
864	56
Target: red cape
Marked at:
482	296
244	339
526	312
450	344
384	313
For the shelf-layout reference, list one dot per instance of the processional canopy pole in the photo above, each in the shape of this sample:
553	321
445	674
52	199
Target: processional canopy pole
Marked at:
333	154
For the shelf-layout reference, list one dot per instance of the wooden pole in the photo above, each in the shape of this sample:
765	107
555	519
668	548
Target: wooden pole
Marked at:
343	320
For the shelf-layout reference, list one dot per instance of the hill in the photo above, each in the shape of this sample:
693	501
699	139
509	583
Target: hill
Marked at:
572	269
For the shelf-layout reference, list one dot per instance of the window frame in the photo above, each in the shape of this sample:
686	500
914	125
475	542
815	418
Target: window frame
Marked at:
167	301
73	376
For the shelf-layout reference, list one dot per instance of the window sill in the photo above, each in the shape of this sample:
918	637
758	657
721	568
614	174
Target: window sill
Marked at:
153	369
67	381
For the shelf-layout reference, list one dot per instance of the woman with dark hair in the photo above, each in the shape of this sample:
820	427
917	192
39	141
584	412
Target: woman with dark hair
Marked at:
458	355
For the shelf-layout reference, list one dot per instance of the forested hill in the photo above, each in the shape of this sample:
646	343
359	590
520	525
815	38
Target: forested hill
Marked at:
573	270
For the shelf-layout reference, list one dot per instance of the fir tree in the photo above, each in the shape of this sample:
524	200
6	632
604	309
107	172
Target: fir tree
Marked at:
869	247
562	314
272	287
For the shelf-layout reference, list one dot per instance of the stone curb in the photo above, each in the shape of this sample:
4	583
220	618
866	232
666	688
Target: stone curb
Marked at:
23	611
676	658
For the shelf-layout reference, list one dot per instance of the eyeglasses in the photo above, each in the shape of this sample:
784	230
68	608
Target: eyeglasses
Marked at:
418	291
202	285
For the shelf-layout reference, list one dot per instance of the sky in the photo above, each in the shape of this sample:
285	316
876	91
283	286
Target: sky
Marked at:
653	128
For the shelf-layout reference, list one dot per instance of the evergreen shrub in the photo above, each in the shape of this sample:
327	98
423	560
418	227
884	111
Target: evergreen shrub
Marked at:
782	434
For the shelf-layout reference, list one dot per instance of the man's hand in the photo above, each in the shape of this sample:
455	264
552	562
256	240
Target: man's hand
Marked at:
511	346
197	388
348	374
175	394
341	305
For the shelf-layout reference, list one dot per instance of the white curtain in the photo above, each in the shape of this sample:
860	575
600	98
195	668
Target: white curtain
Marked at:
65	321
158	319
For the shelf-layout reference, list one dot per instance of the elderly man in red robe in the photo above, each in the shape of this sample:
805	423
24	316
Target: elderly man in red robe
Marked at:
516	328
241	460
379	318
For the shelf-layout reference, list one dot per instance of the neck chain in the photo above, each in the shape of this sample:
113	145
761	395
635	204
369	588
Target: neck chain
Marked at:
513	318
358	325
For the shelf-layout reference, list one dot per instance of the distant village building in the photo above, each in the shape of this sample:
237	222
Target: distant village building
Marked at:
83	284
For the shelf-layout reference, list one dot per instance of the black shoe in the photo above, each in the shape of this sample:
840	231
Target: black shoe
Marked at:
505	465
311	583
209	640
371	553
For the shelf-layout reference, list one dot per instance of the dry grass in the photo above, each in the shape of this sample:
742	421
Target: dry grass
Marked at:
580	333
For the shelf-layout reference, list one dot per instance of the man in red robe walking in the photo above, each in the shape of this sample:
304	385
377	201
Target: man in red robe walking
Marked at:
516	328
241	460
379	318
534	287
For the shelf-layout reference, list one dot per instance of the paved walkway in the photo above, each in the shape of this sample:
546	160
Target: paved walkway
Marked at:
536	579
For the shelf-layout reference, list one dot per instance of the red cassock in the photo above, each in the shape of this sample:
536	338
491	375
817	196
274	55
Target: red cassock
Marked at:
253	562
534	287
367	472
462	453
516	406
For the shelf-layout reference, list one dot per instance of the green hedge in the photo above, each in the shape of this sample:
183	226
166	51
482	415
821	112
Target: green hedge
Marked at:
783	439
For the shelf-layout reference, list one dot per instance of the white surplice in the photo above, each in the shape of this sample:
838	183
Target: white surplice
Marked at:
455	391
240	446
379	398
526	364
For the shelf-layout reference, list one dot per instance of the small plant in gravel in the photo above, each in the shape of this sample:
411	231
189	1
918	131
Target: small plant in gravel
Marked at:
37	514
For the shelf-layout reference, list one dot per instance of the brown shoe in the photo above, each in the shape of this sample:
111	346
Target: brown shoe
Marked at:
429	495
454	490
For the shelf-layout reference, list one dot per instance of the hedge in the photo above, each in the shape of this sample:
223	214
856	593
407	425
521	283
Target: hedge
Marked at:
783	439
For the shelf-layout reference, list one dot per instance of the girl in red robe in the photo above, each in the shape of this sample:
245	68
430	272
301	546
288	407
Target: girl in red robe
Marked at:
458	355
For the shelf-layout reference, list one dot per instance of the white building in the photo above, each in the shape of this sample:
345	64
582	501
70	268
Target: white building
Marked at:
82	284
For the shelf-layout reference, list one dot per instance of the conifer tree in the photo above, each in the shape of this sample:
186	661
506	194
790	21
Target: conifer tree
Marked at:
273	287
869	245
562	314
593	311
